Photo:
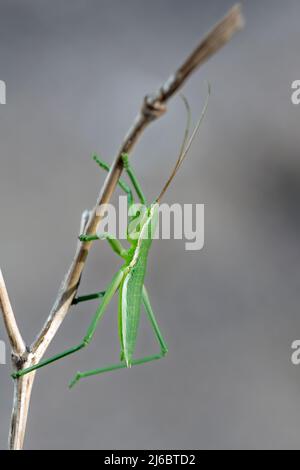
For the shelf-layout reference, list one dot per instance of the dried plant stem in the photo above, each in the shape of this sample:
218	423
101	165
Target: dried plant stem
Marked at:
16	341
153	107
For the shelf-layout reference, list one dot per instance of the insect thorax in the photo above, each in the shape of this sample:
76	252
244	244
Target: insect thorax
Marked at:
146	234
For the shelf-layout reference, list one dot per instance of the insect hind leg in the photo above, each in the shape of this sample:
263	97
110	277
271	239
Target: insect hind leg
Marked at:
153	322
134	362
110	368
111	290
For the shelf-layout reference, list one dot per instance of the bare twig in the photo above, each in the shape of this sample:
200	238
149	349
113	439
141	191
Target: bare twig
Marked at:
14	335
23	387
22	395
153	107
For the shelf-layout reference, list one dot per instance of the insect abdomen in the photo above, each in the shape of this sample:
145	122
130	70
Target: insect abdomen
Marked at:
131	306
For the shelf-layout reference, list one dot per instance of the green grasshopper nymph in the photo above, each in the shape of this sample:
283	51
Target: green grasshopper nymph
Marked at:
129	280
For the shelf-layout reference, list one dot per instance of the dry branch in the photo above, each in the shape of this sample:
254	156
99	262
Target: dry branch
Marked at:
16	341
153	107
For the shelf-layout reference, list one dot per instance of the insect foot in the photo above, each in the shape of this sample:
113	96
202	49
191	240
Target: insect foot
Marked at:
83	238
125	160
76	379
25	361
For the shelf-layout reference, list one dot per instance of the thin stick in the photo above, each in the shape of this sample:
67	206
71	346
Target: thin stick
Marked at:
14	335
22	396
153	107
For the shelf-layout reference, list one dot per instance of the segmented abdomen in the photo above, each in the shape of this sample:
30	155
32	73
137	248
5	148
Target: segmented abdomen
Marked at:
131	305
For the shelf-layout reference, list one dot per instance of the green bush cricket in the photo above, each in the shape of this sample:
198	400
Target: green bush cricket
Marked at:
129	280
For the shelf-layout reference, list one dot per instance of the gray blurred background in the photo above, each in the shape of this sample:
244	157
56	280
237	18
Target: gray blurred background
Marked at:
76	72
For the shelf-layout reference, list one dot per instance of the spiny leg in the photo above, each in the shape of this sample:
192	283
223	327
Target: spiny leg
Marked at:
132	176
114	243
122	364
154	324
112	288
121	183
117	248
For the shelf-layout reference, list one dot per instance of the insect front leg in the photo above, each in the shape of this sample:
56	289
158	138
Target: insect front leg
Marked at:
121	183
114	243
132	176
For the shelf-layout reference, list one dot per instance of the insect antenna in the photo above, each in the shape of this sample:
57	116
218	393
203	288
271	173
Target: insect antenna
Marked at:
187	142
